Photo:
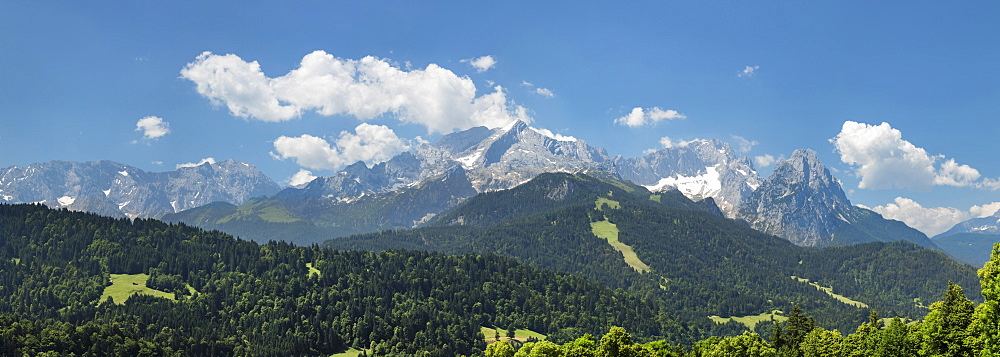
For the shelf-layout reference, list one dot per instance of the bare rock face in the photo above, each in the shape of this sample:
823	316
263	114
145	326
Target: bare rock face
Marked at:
119	190
801	202
700	169
804	203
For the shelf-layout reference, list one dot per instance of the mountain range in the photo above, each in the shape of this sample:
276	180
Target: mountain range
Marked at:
119	190
801	201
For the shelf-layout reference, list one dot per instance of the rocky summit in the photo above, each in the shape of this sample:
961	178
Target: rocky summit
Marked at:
118	190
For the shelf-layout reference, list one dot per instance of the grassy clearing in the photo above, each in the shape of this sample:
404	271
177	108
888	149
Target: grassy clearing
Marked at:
351	352
609	231
655	198
829	291
601	202
751	321
619	184
313	271
269	211
489	334
123	286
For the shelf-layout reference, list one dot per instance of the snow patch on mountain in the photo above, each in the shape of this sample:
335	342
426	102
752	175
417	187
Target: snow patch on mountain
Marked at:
695	187
66	200
469	161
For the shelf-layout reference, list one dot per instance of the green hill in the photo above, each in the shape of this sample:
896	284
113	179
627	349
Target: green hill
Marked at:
700	264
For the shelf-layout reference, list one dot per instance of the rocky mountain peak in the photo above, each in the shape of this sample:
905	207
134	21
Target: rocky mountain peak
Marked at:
118	190
803	202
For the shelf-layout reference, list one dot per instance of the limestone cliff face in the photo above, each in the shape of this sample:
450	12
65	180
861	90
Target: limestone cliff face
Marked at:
804	203
119	190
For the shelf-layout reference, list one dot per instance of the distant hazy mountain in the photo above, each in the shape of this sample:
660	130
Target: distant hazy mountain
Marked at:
982	225
118	190
971	241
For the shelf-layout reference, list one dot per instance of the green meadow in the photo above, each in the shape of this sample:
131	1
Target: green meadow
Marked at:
829	291
609	231
123	286
489	334
751	321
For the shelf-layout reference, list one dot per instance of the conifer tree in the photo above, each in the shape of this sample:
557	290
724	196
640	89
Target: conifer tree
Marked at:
945	329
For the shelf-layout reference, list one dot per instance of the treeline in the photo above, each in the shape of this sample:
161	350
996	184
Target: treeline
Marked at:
252	299
955	326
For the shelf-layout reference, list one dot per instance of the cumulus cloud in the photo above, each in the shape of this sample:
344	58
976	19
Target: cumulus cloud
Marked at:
208	160
640	117
742	144
301	178
365	89
667	142
953	174
985	210
885	160
152	127
748	71
763	160
931	221
482	64
368	143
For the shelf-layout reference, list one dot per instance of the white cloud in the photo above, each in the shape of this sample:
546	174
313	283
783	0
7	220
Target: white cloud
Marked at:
209	160
369	143
301	178
931	221
157	163
639	116
545	92
527	84
989	184
550	134
742	144
885	160
985	210
482	64
667	142
953	174
748	71
152	127
365	89
763	160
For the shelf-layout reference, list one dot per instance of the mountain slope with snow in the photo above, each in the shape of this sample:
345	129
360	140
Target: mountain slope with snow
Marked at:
118	190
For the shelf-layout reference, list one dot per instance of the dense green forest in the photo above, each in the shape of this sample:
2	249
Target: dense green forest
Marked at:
252	299
701	264
233	297
954	327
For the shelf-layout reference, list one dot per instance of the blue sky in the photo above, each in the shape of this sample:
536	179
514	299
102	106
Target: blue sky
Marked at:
77	78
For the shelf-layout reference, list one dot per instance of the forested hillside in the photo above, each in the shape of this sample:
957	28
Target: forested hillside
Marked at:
234	297
954	326
697	264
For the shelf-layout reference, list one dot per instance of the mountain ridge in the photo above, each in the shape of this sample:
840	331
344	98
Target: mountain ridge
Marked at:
119	190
